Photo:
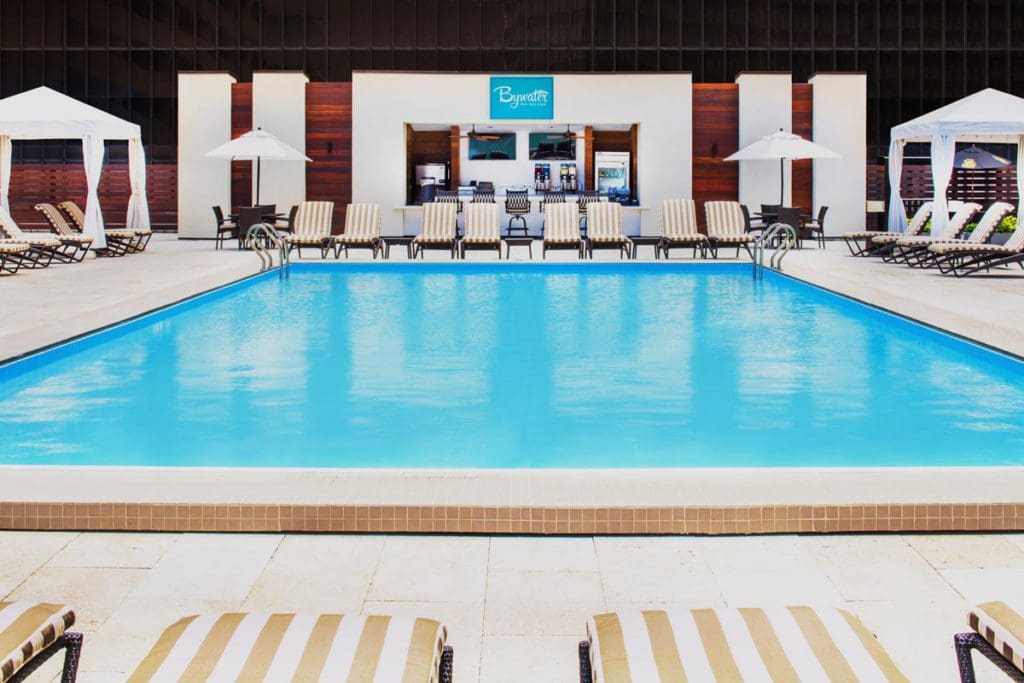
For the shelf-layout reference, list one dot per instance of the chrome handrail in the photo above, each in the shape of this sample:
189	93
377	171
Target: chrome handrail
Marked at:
258	237
775	262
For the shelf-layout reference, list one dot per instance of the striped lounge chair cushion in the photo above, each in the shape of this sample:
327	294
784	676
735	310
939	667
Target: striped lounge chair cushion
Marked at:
773	644
362	224
562	223
726	222
914	227
679	220
483	225
28	628
867	234
438	222
12	247
604	222
313	222
1003	627
295	647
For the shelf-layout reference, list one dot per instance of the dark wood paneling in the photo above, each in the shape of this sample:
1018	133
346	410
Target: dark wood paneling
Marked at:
455	146
715	136
329	145
241	122
803	171
588	158
424	147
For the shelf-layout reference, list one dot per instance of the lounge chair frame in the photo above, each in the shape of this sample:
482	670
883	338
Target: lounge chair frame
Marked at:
624	247
965	643
586	673
71	643
465	246
446	669
116	245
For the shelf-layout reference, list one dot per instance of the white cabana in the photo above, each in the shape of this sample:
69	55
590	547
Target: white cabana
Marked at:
45	114
986	116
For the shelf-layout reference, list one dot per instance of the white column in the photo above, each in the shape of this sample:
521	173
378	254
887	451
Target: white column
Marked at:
765	106
204	121
279	107
840	123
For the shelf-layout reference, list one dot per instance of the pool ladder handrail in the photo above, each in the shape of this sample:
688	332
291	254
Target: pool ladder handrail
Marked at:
258	237
775	262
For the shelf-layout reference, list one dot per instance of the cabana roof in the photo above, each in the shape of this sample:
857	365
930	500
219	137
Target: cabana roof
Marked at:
988	115
45	114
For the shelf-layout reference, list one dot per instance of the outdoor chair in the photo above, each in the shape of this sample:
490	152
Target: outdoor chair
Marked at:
43	249
33	632
679	227
726	227
906	247
225	228
449	196
606	229
964	258
518	207
120	241
253	646
816	227
248	216
586	197
982	232
483	229
313	223
288	225
997	631
562	228
483	196
729	644
749	224
76	244
872	243
362	229
552	197
13	255
438	230
789	216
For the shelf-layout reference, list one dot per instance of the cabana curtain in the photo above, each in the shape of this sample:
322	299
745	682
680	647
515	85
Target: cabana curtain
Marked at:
92	155
138	204
897	212
943	151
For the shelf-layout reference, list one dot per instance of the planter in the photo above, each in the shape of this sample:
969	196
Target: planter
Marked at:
999	237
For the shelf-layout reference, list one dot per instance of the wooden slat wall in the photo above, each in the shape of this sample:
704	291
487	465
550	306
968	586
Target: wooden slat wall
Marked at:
455	149
715	136
803	171
329	123
241	122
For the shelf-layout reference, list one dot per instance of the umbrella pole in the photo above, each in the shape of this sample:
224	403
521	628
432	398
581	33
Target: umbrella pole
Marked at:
782	182
258	173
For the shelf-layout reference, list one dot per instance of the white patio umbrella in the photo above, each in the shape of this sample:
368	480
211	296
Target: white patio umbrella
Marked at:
782	146
257	144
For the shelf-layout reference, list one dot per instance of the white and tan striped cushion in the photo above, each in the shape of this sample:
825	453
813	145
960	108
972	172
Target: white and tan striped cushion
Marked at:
867	234
438	222
679	220
362	224
483	225
604	222
295	647
772	644
313	220
726	223
38	240
74	211
921	216
28	628
55	218
953	228
12	247
914	227
562	222
1003	627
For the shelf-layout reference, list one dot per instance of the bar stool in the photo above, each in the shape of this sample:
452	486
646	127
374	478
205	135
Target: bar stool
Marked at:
483	197
450	197
586	197
517	206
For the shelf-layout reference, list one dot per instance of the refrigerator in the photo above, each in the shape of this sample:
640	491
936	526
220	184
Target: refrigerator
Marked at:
611	169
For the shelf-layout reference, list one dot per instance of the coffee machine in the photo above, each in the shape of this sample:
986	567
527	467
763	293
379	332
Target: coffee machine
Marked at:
429	179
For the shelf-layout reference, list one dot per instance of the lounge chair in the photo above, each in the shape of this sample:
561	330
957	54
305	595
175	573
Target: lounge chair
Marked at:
483	228
562	227
43	248
313	222
604	229
12	255
997	631
727	227
864	244
119	241
31	633
908	249
362	229
964	259
727	644
438	229
983	230
679	227
299	647
77	244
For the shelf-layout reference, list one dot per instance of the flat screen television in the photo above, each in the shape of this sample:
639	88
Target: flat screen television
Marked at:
552	147
502	148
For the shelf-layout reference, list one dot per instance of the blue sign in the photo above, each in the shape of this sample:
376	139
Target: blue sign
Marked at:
522	97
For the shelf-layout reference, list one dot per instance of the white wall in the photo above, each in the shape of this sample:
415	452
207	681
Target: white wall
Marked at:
765	106
517	173
204	121
279	107
840	123
382	103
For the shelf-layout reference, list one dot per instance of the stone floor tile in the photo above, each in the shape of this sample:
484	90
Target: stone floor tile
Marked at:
431	569
114	550
968	551
655	570
515	659
538	554
775	588
23	552
739	554
541	603
94	592
983	585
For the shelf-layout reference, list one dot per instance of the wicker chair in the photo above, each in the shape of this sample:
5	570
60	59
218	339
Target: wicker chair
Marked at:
33	633
483	228
518	207
562	228
313	222
225	228
606	229
586	197
679	227
726	227
439	229
362	229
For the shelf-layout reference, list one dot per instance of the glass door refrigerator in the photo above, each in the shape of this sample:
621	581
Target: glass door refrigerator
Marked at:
611	170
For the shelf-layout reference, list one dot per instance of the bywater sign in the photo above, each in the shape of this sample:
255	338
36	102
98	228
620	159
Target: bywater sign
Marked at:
522	97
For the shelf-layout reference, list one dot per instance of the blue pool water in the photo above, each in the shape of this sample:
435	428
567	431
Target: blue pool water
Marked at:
567	365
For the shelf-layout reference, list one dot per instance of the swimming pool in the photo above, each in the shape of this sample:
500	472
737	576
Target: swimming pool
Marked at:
515	365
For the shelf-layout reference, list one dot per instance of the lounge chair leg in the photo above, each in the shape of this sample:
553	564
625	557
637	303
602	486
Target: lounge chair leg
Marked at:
586	675
447	668
71	643
964	643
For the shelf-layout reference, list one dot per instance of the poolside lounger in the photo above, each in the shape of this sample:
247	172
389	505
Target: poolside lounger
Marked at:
483	228
119	241
864	244
983	230
562	227
77	245
679	227
726	644
908	248
604	229
726	226
43	248
31	633
362	229
299	647
964	259
997	631
312	228
12	255
439	228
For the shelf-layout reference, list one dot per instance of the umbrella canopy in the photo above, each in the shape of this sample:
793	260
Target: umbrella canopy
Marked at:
259	145
976	157
782	146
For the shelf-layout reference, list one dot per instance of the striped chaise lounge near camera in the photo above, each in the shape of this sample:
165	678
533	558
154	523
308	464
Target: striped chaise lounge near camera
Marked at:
31	633
997	631
727	227
312	228
728	644
963	259
604	229
43	248
77	242
362	229
299	647
983	230
562	227
679	227
13	255
439	228
120	241
907	248
483	228
864	244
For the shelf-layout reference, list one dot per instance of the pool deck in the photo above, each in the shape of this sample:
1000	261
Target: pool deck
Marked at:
60	302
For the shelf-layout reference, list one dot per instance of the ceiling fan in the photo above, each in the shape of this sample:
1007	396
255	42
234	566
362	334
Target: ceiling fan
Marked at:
567	135
473	135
